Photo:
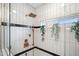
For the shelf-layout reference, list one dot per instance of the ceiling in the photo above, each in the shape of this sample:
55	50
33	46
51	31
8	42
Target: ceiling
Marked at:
36	5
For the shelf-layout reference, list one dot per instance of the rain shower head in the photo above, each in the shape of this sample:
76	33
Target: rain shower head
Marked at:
31	15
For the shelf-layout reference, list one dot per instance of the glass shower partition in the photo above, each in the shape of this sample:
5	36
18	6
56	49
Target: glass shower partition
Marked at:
65	37
4	21
16	28
71	42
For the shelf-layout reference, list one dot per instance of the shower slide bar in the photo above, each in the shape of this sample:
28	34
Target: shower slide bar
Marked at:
53	54
19	25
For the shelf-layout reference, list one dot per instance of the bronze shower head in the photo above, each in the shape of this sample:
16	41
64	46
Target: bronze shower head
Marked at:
31	15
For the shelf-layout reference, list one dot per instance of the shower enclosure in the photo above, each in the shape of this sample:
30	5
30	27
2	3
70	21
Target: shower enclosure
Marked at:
61	37
55	36
4	32
15	28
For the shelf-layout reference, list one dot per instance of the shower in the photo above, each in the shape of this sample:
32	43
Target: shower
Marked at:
39	29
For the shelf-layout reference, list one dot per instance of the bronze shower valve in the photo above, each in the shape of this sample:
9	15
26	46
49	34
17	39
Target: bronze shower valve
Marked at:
26	44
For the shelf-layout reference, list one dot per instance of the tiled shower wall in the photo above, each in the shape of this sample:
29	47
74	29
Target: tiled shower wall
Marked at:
51	12
18	34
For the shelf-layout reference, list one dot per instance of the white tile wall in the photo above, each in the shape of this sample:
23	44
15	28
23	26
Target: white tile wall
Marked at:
18	34
51	11
18	12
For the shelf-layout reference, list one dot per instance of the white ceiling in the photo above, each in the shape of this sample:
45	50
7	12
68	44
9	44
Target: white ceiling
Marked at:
36	5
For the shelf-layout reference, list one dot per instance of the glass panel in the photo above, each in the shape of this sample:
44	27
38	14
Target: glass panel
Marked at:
4	17
71	42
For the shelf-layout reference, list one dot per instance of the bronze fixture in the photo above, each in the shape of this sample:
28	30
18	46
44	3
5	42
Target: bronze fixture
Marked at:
31	15
26	44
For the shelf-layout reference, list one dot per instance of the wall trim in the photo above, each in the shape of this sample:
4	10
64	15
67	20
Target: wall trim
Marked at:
53	54
19	25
